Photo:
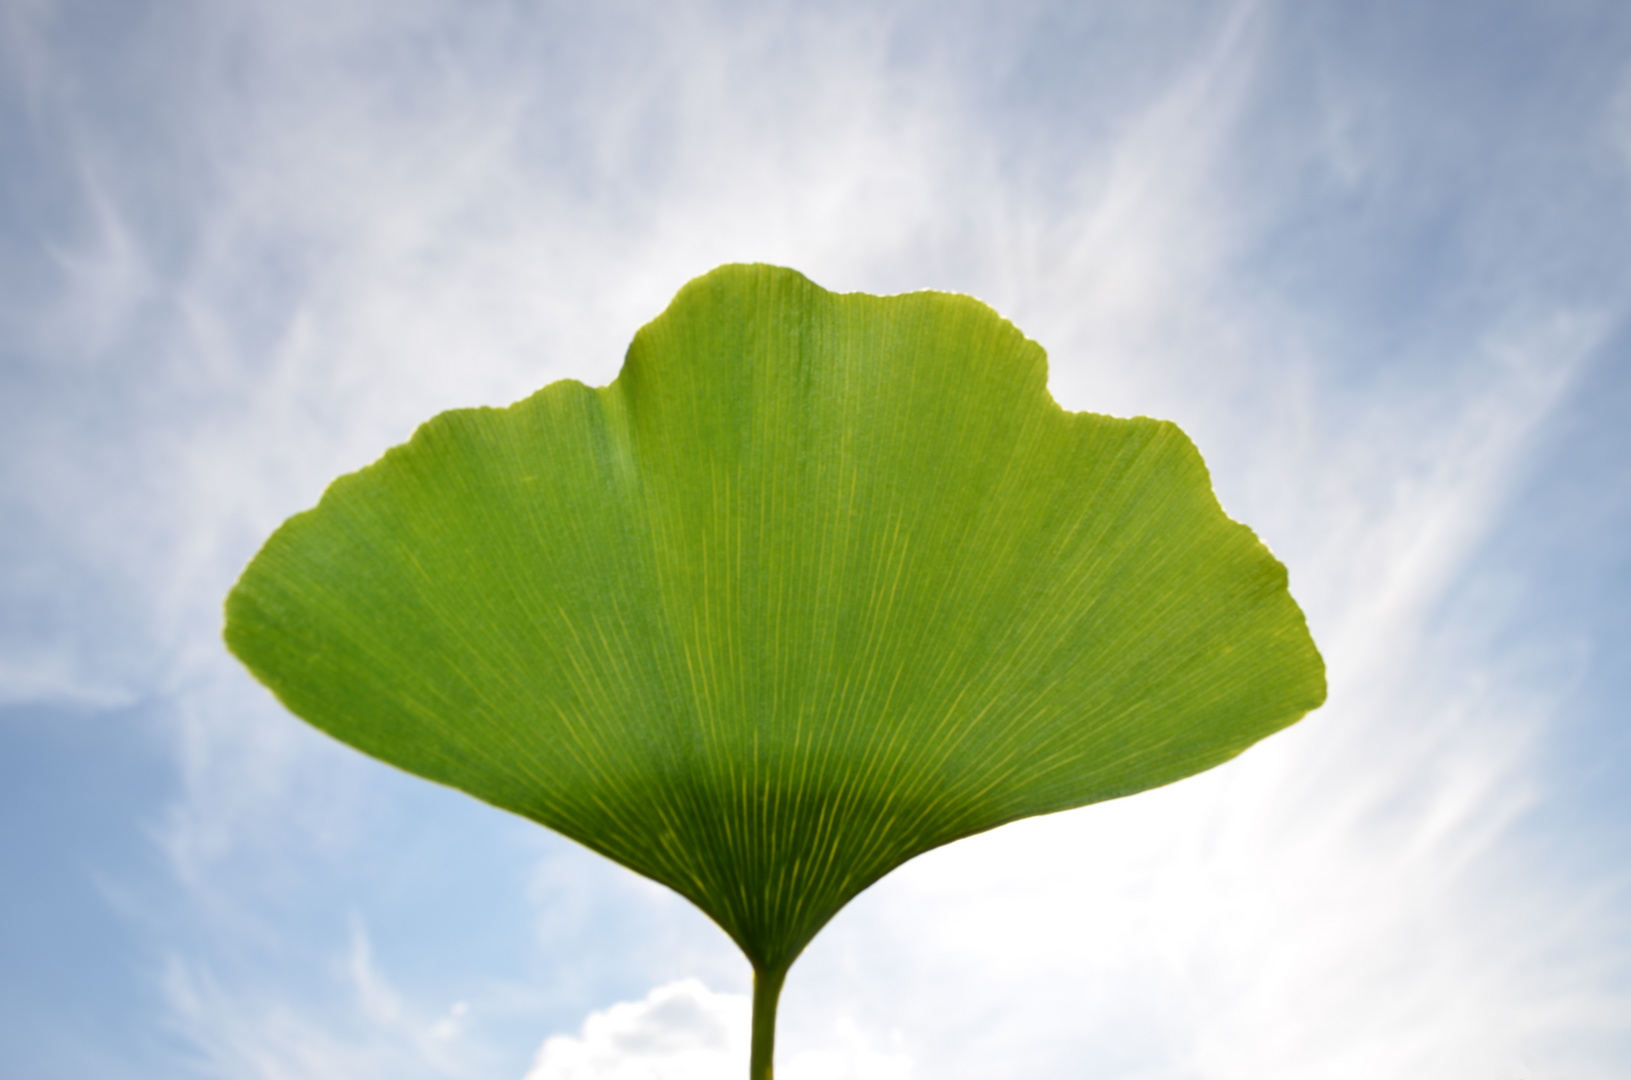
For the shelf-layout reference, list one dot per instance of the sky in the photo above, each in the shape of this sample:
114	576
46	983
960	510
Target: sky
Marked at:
1371	257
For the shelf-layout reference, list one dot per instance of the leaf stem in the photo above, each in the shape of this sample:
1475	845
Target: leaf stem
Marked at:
767	989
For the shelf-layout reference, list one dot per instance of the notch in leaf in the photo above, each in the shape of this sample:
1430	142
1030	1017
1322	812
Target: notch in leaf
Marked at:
819	583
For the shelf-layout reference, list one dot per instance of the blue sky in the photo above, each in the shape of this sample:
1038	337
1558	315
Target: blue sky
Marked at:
1372	257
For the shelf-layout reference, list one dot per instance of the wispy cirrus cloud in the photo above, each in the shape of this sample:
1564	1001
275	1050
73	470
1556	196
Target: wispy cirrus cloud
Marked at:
369	1029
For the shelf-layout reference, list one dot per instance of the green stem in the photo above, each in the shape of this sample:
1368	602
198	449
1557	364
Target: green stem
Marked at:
767	988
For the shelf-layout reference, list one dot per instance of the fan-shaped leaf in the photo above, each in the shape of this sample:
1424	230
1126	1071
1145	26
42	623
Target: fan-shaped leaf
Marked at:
819	583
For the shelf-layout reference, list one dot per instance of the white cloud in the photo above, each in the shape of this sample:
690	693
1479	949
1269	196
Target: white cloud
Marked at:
367	1030
852	1053
681	1031
684	1031
36	674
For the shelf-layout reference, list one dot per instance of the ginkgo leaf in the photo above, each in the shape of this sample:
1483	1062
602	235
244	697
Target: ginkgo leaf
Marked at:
819	583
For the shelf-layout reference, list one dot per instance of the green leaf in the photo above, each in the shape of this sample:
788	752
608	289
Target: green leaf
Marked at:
819	583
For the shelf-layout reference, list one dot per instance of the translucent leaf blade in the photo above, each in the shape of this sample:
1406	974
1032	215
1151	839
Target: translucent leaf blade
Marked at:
818	583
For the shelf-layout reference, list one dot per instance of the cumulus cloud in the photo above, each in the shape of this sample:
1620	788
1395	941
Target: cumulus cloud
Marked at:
681	1031
684	1031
